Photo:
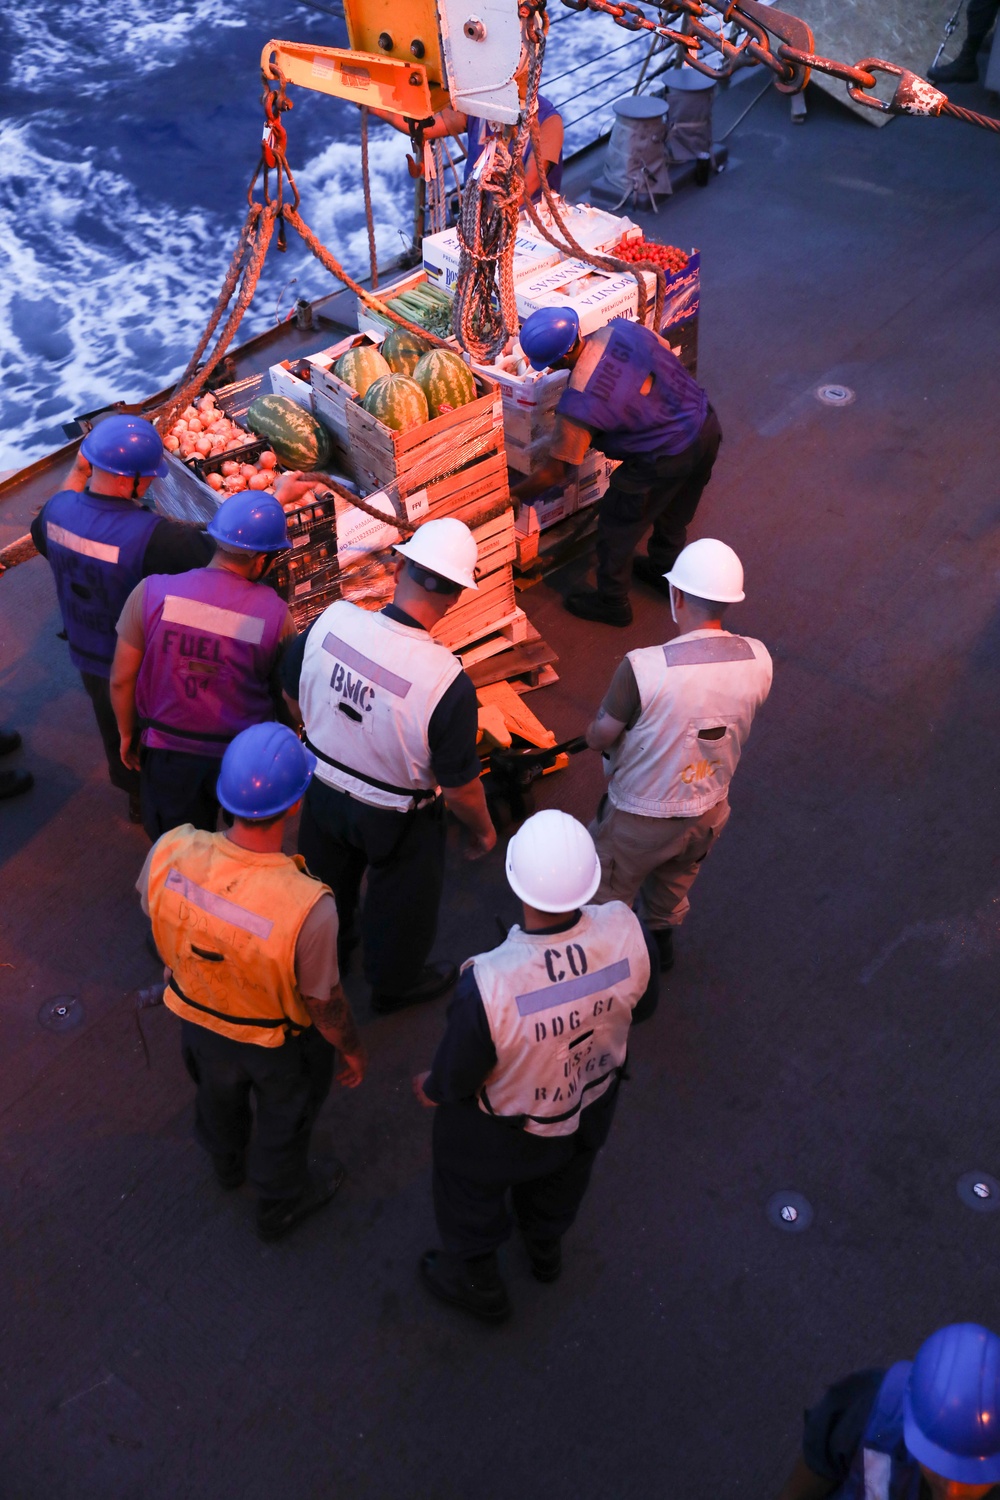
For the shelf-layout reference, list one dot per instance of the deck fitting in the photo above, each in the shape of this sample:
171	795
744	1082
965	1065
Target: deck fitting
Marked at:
789	1212
834	395
61	1013
980	1191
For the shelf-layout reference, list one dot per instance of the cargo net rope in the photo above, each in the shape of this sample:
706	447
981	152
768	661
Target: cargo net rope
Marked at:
486	318
274	210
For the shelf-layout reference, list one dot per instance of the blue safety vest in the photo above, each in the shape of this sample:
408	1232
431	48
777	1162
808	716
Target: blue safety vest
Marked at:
96	545
625	423
883	1469
476	139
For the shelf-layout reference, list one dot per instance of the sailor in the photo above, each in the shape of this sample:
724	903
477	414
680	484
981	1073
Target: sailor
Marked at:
393	719
926	1430
673	724
980	16
526	1076
99	544
13	782
632	399
249	939
196	663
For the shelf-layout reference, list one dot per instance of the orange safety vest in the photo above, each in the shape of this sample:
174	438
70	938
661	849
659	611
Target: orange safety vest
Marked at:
226	921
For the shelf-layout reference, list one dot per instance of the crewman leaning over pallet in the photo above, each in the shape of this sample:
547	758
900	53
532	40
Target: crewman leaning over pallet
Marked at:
393	720
630	397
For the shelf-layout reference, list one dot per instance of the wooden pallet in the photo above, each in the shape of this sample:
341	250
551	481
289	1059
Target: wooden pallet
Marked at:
524	666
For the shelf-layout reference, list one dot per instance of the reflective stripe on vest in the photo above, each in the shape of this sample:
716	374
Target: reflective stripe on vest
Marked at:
559	1008
226	921
82	544
637	397
367	690
882	1468
96	546
698	697
212	640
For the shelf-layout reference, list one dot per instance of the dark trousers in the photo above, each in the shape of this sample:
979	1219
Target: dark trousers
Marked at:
980	16
176	788
403	854
288	1085
663	490
479	1159
99	693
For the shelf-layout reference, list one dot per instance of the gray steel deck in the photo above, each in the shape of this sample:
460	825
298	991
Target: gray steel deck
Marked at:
831	1026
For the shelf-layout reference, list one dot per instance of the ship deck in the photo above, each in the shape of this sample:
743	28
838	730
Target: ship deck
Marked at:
828	1029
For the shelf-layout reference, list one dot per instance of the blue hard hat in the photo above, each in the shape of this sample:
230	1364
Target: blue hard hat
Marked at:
951	1415
264	772
250	521
125	445
548	334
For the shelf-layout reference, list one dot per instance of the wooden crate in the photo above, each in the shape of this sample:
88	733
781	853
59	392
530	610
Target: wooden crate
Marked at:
382	456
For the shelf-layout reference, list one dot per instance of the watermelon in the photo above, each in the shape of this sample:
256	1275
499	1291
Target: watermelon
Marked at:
397	401
295	435
359	367
402	349
445	380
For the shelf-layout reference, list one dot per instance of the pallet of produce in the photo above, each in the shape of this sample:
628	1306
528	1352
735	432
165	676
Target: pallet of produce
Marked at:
442	253
414	428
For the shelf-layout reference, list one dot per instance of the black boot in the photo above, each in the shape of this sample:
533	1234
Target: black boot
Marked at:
604	611
651	574
545	1257
277	1217
13	783
435	980
964	69
663	937
474	1285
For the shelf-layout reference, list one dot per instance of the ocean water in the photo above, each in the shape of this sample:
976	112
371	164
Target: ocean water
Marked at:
129	131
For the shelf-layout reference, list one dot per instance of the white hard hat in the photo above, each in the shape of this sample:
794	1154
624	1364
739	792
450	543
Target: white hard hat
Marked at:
446	547
710	570
552	863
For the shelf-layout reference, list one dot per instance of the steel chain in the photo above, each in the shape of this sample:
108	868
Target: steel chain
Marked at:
791	66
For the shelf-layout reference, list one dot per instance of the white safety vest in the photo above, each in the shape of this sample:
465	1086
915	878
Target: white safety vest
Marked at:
559	1007
699	694
368	688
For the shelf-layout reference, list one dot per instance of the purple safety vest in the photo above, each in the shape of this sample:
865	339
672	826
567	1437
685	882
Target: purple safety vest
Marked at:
626	424
95	545
211	642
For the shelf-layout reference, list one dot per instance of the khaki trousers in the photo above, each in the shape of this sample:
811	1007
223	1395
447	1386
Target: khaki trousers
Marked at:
658	856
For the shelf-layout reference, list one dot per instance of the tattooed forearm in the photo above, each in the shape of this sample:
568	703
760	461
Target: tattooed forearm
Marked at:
334	1019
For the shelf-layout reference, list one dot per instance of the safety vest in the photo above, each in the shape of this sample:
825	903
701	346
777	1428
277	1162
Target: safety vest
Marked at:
699	694
211	642
559	1007
605	393
226	921
882	1468
367	690
96	546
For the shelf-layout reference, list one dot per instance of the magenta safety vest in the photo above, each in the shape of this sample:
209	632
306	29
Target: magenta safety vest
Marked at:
212	641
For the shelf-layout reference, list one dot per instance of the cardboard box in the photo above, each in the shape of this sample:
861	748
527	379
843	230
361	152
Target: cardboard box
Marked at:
529	402
596	297
592	228
442	253
547	509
